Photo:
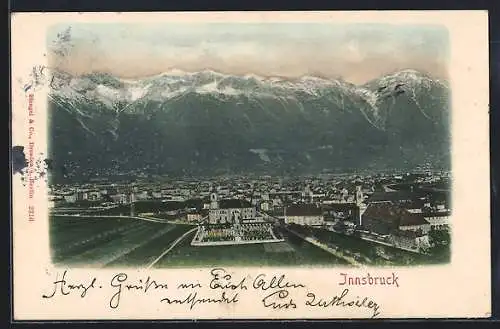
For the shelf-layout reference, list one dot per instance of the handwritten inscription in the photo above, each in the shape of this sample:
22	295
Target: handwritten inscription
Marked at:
276	299
342	300
263	283
221	287
64	287
223	280
120	284
193	299
279	300
189	285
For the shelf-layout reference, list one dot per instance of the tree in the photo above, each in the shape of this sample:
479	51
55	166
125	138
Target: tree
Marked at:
440	245
439	238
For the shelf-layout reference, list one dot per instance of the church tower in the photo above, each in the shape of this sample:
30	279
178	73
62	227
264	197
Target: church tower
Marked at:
359	195
214	202
132	204
264	206
237	225
345	195
361	207
307	194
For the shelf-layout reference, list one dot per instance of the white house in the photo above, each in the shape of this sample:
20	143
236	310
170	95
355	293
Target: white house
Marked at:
304	214
195	217
410	240
439	220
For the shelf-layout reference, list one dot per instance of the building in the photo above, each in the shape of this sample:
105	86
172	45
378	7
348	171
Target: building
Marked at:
307	194
265	203
119	198
226	210
69	197
414	222
339	212
387	218
349	208
410	240
194	217
438	220
405	198
94	195
304	214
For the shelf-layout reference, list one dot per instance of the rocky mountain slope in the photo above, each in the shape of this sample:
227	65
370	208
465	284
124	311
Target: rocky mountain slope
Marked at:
208	122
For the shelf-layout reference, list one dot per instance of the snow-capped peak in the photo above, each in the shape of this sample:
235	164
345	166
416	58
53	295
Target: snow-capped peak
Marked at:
408	77
111	91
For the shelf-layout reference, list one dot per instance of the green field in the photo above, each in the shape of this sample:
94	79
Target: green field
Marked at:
149	251
293	252
125	242
105	242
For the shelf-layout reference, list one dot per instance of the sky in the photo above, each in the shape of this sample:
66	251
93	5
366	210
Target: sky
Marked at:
354	52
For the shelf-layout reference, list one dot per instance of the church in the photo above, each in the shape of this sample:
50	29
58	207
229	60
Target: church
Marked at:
233	221
229	211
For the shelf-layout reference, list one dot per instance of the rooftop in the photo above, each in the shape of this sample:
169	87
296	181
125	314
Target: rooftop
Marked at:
234	203
393	215
303	210
394	196
340	206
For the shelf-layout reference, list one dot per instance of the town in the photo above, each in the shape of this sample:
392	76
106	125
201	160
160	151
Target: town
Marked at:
409	211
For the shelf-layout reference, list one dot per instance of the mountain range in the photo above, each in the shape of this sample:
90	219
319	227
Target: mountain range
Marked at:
209	122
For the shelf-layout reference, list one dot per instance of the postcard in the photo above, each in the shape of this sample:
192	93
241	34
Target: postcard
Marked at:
250	165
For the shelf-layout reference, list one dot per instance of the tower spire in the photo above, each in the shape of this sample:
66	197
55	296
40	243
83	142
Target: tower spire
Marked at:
132	204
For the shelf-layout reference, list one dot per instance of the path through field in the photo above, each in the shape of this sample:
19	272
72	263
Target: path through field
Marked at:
110	241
